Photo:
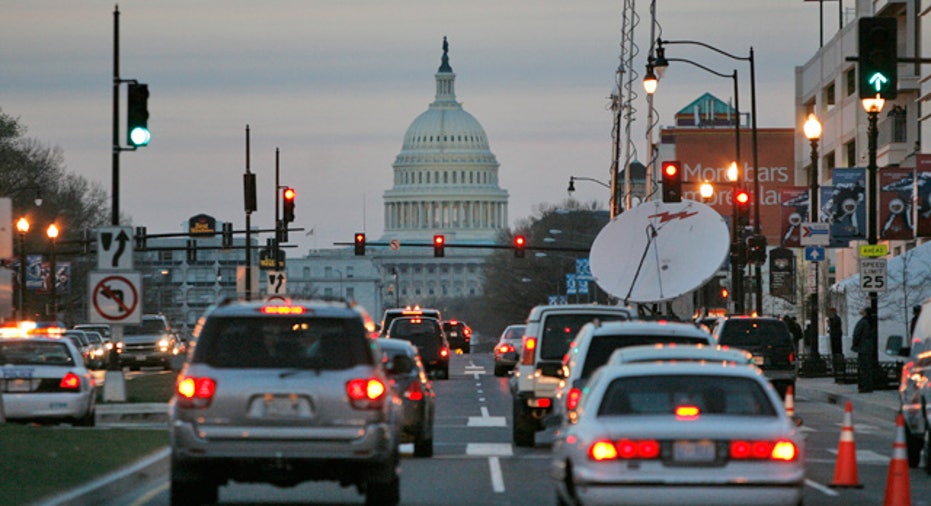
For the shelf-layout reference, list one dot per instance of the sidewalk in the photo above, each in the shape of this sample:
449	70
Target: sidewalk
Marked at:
877	402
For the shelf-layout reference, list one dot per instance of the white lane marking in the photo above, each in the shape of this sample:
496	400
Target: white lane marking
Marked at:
481	399
406	448
497	479
484	411
487	421
867	456
489	449
820	488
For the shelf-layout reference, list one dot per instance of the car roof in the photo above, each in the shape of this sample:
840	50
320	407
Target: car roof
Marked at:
680	368
650	352
537	311
314	307
400	344
662	327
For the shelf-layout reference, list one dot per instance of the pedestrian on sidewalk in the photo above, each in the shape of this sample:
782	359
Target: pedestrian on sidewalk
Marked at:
865	344
836	334
916	310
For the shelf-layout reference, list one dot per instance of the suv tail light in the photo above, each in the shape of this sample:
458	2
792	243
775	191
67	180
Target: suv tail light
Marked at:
763	450
444	352
572	398
530	346
195	393
70	381
366	393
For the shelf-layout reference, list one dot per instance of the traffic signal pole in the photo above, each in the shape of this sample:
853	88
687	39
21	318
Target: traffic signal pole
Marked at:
115	190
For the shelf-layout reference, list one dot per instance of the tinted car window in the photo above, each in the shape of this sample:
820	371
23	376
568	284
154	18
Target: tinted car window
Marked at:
755	333
601	347
35	353
656	394
424	334
560	330
313	343
148	326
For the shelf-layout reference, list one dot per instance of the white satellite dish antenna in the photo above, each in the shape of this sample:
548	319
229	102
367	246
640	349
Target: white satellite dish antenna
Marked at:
658	251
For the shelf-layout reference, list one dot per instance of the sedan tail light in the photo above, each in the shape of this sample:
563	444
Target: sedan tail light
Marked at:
763	450
366	393
195	393
444	352
414	392
627	449
70	381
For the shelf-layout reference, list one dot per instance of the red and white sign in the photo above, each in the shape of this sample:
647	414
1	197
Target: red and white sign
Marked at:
115	297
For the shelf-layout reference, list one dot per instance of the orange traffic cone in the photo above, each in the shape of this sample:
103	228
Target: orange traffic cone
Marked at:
845	469
790	401
898	486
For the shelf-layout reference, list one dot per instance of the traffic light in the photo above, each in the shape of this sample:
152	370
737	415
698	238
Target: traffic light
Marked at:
288	207
227	235
742	201
439	246
191	250
360	244
520	246
672	181
137	115
281	231
140	238
756	249
877	57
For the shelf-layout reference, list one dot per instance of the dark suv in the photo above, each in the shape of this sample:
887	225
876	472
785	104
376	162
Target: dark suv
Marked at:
284	393
151	343
459	335
427	335
769	341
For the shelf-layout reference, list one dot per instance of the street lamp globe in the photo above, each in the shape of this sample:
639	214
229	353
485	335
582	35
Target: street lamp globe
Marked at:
812	128
873	104
52	231
22	225
732	173
706	190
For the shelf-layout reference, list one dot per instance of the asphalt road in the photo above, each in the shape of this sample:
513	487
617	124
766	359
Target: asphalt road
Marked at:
475	462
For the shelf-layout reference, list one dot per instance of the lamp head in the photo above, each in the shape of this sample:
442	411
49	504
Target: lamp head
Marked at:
873	104
571	185
812	128
650	82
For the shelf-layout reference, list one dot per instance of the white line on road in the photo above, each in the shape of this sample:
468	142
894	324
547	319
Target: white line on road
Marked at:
497	479
821	488
484	411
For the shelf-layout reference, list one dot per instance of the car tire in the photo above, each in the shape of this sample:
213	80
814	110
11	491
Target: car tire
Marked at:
443	373
193	493
88	420
423	447
499	371
524	430
384	487
913	444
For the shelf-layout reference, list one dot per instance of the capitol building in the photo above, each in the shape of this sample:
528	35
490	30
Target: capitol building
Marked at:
445	182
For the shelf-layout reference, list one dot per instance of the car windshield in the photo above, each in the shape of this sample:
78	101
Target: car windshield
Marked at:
754	333
277	343
601	347
560	330
34	353
662	394
514	334
147	327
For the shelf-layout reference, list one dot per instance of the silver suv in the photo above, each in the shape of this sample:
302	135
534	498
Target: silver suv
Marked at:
284	393
151	343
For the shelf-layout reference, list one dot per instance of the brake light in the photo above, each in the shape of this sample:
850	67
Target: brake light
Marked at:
687	412
366	393
70	381
763	450
627	449
414	392
444	352
572	398
530	345
791	357
285	310
505	348
195	392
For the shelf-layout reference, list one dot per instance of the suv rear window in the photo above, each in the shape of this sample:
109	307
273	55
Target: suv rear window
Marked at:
422	333
601	347
755	333
257	343
561	329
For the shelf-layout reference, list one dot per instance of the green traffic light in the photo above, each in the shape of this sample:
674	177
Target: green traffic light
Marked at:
140	136
878	81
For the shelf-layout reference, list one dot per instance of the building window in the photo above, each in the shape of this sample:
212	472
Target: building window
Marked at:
328	272
850	78
829	99
305	272
328	292
350	293
350	271
829	160
850	153
897	122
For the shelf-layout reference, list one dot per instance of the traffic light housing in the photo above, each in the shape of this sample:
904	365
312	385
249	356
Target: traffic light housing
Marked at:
137	115
191	250
360	244
520	246
227	235
439	245
287	196
756	249
742	201
877	57
672	181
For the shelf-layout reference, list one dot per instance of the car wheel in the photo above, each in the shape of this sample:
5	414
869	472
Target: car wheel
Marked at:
423	447
88	420
193	493
384	487
914	445
499	371
524	431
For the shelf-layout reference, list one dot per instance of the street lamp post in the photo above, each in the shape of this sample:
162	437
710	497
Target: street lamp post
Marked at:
52	233
650	83
873	107
812	130
22	226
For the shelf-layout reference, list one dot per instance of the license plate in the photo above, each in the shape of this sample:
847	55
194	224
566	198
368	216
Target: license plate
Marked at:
140	358
758	360
18	385
280	406
693	451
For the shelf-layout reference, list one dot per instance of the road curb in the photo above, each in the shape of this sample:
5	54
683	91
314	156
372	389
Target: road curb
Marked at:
115	484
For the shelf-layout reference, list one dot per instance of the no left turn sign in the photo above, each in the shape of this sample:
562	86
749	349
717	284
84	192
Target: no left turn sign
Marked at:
115	297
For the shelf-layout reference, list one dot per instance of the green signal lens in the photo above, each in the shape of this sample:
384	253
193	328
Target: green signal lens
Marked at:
140	136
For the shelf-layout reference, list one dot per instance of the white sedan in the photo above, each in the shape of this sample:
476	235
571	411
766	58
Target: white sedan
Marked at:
677	433
45	380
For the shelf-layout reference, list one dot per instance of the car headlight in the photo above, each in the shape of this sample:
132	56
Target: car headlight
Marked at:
163	344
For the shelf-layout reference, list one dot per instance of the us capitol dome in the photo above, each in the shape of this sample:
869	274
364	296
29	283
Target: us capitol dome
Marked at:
445	177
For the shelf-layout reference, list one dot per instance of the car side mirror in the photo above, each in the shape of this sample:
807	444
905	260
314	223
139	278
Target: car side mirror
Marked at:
895	346
401	364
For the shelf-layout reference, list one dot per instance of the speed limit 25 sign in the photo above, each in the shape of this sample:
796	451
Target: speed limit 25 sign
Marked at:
873	274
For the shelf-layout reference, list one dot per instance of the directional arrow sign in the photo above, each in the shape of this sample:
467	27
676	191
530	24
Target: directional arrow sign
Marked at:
114	249
815	234
878	81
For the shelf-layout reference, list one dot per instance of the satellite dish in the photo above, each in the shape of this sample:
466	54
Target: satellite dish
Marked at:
658	251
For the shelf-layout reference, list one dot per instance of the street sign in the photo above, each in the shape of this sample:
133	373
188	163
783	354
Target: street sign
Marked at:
874	250
267	259
115	249
277	282
115	297
583	270
873	274
815	234
571	287
814	253
394	244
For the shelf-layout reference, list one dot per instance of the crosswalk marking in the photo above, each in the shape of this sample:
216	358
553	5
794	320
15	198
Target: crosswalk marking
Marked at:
489	449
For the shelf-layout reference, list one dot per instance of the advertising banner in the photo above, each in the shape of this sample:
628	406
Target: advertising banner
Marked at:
794	211
846	206
895	204
923	186
782	274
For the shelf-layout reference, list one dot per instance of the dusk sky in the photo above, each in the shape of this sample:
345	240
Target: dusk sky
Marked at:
335	84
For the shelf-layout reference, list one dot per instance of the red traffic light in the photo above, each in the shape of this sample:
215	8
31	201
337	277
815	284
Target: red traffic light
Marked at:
742	197
439	243
289	194
359	244
672	181
670	169
520	243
